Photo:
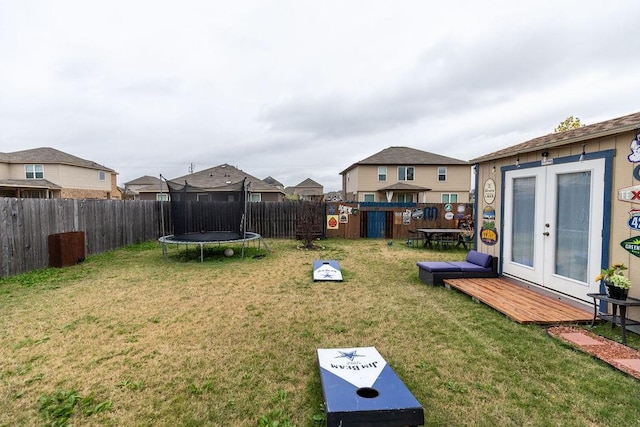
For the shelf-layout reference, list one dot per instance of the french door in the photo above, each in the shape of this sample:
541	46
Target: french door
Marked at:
553	226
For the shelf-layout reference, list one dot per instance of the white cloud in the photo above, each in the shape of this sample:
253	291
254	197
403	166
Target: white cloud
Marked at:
297	89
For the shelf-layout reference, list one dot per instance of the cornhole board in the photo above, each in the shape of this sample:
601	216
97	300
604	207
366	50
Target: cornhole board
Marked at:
326	270
360	389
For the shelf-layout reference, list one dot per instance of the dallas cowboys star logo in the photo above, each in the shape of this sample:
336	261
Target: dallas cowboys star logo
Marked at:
349	355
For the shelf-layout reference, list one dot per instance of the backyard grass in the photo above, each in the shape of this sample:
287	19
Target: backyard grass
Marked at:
130	338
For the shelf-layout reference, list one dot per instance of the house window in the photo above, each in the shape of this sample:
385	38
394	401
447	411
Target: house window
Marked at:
34	171
369	198
442	174
405	173
202	197
449	197
102	175
405	198
162	197
382	173
256	197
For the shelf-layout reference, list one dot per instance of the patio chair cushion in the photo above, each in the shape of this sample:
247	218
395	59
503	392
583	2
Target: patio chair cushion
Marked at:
478	258
467	267
438	266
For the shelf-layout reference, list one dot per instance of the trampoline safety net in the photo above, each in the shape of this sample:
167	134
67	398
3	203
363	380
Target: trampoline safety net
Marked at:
198	212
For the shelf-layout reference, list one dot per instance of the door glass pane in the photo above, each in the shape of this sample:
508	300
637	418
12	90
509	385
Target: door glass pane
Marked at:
524	208
572	233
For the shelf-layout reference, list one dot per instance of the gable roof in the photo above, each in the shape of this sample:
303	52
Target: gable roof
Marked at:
583	133
145	180
48	155
223	178
406	156
309	183
272	181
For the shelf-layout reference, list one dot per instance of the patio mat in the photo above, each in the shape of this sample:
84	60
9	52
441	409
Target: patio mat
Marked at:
621	357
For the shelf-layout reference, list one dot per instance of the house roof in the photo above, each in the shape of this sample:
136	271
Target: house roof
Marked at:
402	186
272	181
309	183
583	133
406	156
29	183
145	180
48	155
222	177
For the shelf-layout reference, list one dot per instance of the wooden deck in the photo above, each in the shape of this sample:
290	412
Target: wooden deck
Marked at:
519	303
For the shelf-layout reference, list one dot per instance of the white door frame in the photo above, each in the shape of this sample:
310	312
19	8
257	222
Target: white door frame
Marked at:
541	272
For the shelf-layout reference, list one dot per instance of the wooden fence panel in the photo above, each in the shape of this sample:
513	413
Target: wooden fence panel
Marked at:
25	225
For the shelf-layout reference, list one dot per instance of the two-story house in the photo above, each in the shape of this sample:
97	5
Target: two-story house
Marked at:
309	190
49	173
407	175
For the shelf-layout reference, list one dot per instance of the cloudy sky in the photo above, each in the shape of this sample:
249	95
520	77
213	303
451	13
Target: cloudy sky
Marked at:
299	89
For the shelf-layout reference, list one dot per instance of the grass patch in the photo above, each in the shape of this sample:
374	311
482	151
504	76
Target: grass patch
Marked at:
232	341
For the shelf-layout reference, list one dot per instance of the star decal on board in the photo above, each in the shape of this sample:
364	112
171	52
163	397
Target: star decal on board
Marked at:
349	355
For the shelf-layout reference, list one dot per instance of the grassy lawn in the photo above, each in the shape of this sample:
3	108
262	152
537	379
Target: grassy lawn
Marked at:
131	338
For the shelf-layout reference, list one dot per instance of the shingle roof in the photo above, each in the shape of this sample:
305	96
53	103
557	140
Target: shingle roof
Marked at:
309	183
29	183
584	133
272	181
145	180
406	156
48	155
402	186
219	177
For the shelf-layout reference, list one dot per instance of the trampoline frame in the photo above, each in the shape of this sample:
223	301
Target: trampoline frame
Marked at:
249	236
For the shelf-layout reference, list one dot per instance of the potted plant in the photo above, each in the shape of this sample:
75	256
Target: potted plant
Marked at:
615	281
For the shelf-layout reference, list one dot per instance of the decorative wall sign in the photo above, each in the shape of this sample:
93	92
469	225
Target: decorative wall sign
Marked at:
636	173
417	214
344	219
489	191
629	194
634	219
406	217
333	222
634	157
489	213
431	213
489	236
448	216
448	207
632	245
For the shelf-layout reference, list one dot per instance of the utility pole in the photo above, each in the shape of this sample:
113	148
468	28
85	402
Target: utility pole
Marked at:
192	167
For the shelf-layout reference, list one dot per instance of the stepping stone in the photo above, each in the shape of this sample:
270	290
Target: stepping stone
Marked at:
580	339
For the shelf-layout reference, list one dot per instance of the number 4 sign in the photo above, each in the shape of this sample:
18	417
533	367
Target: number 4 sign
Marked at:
634	219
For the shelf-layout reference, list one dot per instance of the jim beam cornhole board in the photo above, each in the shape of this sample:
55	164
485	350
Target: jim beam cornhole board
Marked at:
326	270
361	389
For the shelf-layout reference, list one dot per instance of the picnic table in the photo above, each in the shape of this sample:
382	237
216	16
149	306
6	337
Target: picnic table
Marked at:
442	236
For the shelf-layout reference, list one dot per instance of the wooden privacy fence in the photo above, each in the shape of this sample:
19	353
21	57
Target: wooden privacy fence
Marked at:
25	225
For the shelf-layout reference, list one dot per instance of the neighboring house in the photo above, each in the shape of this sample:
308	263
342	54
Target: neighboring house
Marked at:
333	196
221	184
146	188
405	175
559	208
308	190
49	173
272	181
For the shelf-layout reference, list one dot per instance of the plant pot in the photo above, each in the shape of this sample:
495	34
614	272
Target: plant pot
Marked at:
616	292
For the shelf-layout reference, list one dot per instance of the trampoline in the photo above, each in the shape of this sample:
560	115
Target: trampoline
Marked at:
196	212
